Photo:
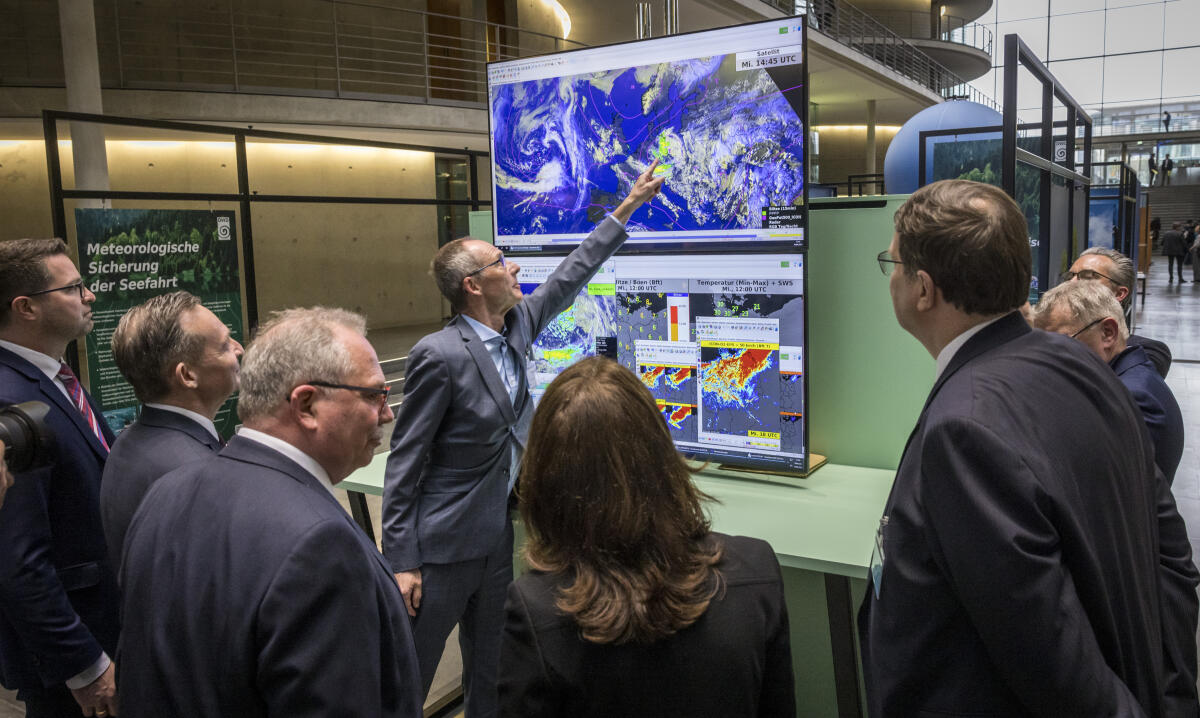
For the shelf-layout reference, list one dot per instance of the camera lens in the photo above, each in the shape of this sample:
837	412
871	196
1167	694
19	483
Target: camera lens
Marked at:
28	440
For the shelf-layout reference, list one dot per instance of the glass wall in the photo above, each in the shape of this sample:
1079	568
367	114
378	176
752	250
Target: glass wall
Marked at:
1128	62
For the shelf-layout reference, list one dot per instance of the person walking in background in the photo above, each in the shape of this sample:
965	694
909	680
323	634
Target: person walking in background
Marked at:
1175	247
634	607
1153	177
1166	121
1168	165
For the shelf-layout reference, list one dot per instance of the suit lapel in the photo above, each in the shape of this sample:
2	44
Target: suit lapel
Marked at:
55	396
487	369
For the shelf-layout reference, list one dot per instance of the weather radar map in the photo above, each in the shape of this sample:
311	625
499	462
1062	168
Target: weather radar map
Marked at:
566	150
740	393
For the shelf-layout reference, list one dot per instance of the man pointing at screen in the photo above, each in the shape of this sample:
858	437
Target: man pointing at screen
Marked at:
457	445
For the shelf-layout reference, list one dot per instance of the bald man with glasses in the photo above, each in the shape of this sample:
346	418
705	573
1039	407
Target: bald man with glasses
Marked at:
1116	273
457	445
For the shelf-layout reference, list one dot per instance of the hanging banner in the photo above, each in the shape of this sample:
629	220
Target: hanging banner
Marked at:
127	256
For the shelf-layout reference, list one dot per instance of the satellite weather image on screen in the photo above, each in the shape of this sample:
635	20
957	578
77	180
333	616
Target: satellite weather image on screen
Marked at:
717	339
724	116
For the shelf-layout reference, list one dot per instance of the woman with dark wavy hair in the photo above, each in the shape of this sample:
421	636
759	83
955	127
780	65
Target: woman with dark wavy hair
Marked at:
633	607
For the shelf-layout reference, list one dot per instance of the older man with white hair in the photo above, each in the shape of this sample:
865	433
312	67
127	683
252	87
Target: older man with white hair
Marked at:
248	588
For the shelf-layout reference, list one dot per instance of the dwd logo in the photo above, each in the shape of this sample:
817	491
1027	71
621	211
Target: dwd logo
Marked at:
224	230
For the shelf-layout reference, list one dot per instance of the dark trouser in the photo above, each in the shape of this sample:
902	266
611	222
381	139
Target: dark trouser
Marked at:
53	702
1174	260
471	594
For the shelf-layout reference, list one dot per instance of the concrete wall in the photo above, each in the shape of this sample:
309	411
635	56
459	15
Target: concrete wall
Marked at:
843	151
370	258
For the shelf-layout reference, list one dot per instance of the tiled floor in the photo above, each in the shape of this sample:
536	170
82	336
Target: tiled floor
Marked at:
1171	313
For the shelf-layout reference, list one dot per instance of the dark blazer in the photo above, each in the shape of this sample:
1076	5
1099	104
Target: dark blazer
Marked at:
58	594
445	495
1158	405
1020	543
249	591
158	442
1158	353
1180	607
734	661
1173	243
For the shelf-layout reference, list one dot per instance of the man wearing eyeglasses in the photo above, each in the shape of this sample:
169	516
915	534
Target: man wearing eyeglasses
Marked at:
248	589
58	592
1016	563
183	365
1116	272
457	445
1090	314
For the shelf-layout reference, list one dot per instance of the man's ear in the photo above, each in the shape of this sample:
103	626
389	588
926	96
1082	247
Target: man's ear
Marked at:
302	405
929	293
24	308
1109	331
184	375
1122	293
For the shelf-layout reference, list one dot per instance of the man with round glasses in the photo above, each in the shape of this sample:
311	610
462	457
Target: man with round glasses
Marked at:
457	445
58	592
1116	272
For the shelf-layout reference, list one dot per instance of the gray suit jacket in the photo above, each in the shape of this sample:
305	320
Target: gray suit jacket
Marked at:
158	442
445	492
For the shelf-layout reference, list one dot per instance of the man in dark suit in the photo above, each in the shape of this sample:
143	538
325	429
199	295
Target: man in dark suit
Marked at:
1116	272
1090	314
183	365
247	589
457	443
58	593
1016	564
1176	248
6	479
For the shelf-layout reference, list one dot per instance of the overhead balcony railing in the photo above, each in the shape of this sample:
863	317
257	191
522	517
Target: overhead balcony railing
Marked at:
856	29
325	48
920	25
351	49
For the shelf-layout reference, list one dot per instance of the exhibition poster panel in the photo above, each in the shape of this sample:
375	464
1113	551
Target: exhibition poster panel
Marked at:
127	256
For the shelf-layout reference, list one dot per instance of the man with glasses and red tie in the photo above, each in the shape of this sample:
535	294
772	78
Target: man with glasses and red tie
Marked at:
457	445
58	592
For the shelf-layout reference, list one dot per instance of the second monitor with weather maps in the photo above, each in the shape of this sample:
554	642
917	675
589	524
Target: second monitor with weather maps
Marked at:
723	111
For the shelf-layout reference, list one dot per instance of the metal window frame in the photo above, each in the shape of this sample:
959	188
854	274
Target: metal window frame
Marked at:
1016	55
243	196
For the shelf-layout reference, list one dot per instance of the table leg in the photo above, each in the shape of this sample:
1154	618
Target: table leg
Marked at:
362	515
838	601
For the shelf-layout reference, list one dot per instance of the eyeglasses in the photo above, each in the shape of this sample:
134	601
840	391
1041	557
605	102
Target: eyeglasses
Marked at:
1093	323
371	393
886	263
500	261
1085	274
77	286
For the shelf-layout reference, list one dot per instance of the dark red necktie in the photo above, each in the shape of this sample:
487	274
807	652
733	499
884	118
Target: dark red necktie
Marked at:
71	382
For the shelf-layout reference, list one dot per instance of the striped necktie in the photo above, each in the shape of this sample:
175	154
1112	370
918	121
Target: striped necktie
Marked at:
71	382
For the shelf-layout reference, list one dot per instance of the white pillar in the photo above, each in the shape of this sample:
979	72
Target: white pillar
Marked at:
81	63
869	166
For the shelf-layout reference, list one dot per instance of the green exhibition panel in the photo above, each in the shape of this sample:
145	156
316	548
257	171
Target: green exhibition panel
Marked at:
867	382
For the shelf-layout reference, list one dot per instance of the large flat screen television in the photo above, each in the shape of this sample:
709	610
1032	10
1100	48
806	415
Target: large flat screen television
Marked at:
723	111
718	339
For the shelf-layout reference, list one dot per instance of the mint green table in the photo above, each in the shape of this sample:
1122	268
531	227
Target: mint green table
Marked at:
821	528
